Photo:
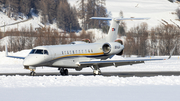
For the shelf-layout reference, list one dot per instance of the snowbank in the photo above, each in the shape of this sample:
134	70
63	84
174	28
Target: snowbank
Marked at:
84	81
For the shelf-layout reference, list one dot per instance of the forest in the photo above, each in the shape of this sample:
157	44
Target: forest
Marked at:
58	11
52	11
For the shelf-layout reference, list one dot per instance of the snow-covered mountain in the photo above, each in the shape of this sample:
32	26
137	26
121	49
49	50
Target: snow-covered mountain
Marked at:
7	23
156	10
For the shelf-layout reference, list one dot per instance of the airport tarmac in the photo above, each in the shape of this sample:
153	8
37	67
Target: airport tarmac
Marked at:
120	74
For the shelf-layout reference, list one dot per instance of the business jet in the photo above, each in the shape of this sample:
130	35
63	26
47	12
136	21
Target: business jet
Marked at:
79	54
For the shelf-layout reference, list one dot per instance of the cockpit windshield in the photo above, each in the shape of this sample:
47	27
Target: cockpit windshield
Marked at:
39	51
32	51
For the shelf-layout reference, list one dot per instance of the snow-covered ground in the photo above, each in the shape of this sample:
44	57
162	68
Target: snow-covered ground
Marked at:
103	93
98	88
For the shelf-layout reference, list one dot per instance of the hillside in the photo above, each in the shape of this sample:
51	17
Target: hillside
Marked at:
154	9
7	23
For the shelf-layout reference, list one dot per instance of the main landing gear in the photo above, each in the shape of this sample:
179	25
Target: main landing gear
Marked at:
96	70
63	71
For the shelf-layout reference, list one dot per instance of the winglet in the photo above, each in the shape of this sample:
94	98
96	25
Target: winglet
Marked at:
6	50
171	52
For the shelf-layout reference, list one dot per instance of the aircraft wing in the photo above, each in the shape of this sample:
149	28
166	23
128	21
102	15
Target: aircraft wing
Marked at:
104	63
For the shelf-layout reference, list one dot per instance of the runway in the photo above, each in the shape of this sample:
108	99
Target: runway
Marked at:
120	74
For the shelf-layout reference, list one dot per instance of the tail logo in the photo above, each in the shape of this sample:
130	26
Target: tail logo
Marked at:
113	29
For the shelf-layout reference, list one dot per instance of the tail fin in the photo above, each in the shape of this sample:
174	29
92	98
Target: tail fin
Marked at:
113	31
6	50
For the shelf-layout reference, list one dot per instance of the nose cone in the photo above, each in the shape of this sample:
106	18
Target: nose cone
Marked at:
33	60
29	61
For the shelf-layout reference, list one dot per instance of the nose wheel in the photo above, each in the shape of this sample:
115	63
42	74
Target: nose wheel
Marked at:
32	73
63	71
32	69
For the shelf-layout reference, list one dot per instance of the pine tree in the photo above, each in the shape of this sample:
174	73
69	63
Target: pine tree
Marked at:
82	11
52	6
8	7
75	24
96	8
15	6
25	6
66	16
60	15
2	2
90	12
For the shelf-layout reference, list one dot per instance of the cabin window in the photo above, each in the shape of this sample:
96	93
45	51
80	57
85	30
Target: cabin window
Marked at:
62	52
82	51
67	52
88	50
91	50
46	52
73	52
79	51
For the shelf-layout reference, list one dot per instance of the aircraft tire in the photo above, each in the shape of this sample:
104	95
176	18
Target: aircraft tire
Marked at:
62	71
32	73
66	71
97	72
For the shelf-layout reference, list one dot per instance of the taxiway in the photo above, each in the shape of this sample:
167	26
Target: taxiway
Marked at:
120	74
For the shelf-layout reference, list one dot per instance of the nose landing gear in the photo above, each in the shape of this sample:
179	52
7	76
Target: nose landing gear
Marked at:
32	73
32	69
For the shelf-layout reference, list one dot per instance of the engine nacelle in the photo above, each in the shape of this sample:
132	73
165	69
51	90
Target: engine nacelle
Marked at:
111	48
120	53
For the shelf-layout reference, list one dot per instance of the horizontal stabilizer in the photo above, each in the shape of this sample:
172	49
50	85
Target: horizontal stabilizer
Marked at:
101	18
117	19
6	50
17	57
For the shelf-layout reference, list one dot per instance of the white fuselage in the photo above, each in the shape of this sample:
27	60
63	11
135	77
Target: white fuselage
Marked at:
66	56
